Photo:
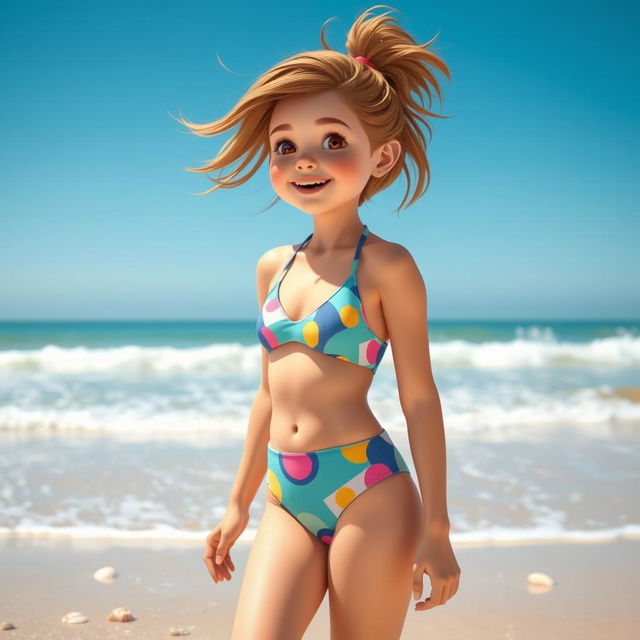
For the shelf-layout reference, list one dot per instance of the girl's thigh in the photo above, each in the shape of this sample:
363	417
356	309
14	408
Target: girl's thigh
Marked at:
371	560
284	582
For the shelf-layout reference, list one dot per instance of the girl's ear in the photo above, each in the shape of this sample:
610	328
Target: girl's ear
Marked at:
388	154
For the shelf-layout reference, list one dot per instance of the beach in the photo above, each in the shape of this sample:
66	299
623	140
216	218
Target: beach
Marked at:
594	595
471	241
120	441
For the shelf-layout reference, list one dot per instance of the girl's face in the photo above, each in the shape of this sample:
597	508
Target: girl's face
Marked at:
318	138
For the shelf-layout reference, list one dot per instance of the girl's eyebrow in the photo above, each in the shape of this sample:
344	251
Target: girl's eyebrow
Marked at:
287	127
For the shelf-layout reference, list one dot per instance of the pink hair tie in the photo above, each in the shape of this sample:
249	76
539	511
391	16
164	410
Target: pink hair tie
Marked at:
365	61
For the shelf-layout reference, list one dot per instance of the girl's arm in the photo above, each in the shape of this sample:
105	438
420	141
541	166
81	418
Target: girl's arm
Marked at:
404	302
253	464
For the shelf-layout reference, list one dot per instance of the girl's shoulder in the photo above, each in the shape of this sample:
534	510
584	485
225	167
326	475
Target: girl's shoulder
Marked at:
270	264
383	253
276	256
388	265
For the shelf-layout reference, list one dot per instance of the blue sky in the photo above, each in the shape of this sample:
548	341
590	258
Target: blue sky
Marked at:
532	210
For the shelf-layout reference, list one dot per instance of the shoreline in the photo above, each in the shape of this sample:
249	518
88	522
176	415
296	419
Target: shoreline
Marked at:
168	585
496	537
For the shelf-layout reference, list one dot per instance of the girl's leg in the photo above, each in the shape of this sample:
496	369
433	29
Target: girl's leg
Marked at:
285	579
371	559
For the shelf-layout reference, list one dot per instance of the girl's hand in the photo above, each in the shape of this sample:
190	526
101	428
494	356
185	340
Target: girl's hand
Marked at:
221	539
434	556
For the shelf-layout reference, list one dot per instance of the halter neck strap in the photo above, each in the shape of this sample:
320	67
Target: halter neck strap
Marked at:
356	256
293	255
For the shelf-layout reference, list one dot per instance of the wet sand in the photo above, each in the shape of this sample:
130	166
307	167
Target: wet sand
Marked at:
164	586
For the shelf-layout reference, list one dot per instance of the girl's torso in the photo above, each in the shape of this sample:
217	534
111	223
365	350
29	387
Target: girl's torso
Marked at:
319	400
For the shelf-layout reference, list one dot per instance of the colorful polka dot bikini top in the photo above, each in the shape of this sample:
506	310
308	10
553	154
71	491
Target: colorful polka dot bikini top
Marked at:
337	328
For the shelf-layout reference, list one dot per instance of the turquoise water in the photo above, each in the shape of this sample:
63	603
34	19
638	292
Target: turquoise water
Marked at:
180	334
123	429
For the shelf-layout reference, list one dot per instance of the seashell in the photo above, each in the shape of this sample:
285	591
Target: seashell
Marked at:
5	626
75	617
179	631
106	574
540	579
120	614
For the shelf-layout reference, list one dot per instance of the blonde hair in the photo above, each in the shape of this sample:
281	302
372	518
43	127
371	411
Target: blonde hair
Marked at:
381	97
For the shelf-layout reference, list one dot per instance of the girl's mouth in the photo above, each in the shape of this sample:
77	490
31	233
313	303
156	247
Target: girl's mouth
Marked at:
311	187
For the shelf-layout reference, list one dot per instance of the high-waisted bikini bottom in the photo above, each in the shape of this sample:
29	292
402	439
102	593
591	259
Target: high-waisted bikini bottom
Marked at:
315	487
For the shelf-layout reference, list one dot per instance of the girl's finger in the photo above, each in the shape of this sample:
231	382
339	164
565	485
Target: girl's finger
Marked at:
214	569
446	593
224	571
210	568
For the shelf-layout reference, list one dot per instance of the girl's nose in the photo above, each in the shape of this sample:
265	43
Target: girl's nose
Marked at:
306	163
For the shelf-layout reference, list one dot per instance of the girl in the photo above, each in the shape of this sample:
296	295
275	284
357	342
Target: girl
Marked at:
337	129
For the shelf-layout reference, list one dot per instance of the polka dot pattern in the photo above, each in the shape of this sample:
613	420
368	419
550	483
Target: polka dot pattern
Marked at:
375	473
299	468
326	535
356	453
315	487
344	495
270	337
311	333
337	328
274	484
372	351
349	315
310	521
271	305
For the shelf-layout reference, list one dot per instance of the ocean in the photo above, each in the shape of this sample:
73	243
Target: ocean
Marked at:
134	430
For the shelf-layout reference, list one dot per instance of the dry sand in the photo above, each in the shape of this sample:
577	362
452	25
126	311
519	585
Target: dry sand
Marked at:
595	594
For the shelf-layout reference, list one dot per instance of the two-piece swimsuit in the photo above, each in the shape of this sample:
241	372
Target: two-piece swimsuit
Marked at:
315	487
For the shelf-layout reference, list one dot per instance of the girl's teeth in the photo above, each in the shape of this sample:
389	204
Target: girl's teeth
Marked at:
313	184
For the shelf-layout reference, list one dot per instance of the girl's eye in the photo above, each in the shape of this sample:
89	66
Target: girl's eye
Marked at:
335	142
281	142
333	137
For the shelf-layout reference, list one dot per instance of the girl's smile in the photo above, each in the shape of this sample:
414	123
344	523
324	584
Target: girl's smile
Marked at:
309	185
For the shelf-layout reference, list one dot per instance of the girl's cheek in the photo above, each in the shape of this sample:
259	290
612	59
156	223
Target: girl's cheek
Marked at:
277	173
346	166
